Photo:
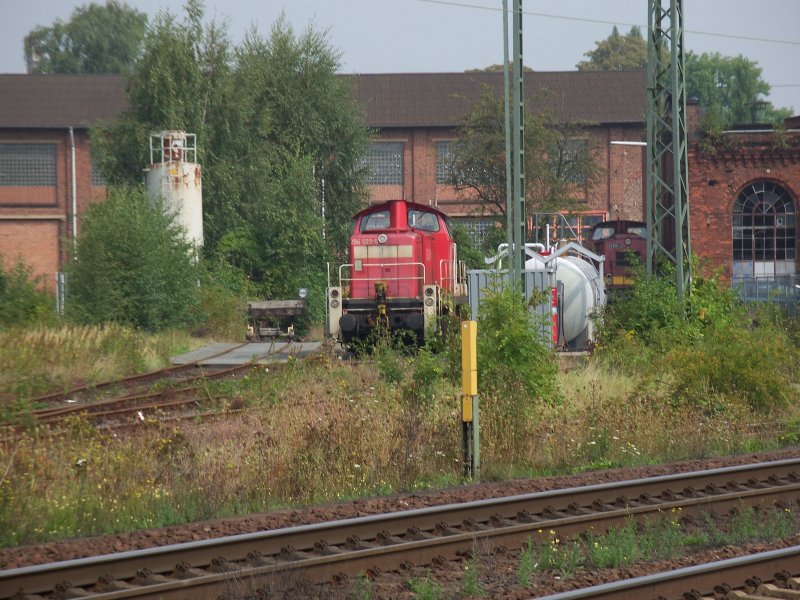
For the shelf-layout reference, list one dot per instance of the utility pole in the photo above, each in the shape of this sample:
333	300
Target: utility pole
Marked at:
668	242
518	147
507	131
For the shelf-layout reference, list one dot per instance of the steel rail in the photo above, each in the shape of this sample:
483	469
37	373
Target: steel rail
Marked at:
708	579
132	379
44	415
382	542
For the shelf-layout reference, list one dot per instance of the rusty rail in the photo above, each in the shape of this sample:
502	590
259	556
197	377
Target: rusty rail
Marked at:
320	552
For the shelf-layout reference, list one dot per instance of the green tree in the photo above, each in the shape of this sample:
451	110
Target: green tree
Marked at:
617	52
22	301
558	159
277	129
732	84
97	39
134	266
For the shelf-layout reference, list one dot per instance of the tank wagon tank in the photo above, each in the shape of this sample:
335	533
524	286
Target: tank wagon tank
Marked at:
580	294
403	275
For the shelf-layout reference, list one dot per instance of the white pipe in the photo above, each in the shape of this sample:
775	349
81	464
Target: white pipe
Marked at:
74	189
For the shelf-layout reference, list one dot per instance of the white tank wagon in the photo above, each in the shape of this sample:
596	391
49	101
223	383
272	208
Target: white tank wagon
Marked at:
577	274
175	176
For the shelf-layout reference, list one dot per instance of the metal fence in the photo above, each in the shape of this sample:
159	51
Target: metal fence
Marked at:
783	290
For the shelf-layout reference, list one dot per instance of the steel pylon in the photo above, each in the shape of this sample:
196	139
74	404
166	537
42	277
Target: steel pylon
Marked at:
668	244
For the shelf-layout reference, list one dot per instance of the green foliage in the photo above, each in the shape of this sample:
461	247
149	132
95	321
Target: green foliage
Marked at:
362	588
707	354
278	132
732	365
471	584
98	38
22	302
513	360
467	251
555	159
565	556
617	52
732	83
527	563
224	291
133	266
426	589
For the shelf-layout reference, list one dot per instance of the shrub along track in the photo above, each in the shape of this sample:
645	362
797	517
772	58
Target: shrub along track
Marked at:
275	561
179	386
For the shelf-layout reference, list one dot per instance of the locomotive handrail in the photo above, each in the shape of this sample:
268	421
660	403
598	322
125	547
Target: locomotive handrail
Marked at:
420	265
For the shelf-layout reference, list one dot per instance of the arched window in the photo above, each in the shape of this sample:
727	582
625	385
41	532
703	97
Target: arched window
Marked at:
763	231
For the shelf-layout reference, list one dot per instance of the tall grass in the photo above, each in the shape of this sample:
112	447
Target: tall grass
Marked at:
42	359
323	431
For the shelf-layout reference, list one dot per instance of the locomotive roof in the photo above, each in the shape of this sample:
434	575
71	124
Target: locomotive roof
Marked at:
416	205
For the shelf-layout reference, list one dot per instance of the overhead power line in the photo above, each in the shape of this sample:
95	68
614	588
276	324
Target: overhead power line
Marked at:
606	22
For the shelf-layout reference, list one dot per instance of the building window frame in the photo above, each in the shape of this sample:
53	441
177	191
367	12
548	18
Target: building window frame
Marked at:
27	164
764	231
384	162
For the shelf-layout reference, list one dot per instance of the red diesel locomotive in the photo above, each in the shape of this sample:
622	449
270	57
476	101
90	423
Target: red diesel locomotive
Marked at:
403	275
620	241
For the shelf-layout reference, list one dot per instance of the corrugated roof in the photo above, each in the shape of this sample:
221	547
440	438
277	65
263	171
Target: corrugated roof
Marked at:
442	99
389	99
55	101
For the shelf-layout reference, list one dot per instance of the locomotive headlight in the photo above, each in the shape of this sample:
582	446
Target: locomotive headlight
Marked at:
334	303
382	238
428	301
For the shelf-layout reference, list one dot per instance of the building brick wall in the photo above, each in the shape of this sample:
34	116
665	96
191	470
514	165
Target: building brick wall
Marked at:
36	222
619	193
35	243
717	174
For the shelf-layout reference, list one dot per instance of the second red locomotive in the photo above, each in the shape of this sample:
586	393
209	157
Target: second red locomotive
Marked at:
403	275
621	242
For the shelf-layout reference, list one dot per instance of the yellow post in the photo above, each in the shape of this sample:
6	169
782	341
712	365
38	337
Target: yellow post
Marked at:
469	399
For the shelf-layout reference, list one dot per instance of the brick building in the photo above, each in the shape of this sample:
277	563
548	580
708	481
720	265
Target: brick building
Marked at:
744	188
44	122
46	174
416	116
47	180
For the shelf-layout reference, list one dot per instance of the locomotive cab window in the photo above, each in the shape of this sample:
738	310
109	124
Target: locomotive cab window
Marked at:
375	221
602	233
426	221
640	231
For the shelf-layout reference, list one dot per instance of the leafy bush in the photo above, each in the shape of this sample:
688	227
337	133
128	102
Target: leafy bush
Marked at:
708	355
733	365
134	266
513	360
21	301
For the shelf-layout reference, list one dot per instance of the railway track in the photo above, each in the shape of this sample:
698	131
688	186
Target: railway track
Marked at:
184	388
280	559
124	383
762	576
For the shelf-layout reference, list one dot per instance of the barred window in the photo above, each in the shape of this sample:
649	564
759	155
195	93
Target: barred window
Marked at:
568	160
478	230
97	176
764	224
27	164
385	163
444	161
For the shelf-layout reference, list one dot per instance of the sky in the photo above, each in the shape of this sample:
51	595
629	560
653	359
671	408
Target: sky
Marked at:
394	36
